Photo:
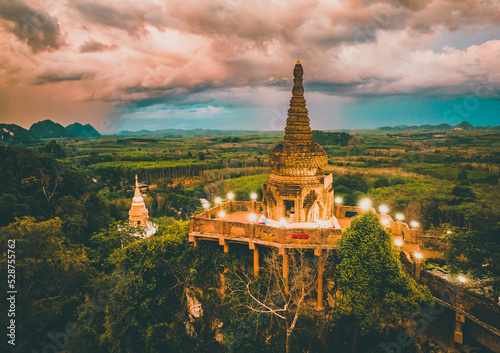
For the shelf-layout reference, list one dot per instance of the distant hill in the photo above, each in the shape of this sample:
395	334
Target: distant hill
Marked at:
464	126
82	131
12	134
187	133
49	129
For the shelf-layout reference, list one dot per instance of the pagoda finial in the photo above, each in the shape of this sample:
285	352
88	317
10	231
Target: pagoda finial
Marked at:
137	192
298	60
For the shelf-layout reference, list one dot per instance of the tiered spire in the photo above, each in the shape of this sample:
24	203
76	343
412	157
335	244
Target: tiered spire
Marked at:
297	130
137	192
138	214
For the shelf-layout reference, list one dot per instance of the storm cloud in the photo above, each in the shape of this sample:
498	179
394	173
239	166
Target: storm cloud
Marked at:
37	28
184	53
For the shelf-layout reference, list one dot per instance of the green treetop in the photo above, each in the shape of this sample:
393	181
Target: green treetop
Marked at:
375	290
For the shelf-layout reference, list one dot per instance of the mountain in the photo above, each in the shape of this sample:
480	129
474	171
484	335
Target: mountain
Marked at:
185	133
48	129
464	125
12	134
82	131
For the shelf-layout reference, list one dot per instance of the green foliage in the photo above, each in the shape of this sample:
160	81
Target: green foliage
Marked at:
354	182
242	187
375	290
175	201
325	138
463	193
106	242
475	252
54	148
149	310
52	276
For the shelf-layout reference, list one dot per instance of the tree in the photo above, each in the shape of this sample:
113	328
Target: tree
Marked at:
475	252
284	298
375	290
110	240
463	178
149	308
51	278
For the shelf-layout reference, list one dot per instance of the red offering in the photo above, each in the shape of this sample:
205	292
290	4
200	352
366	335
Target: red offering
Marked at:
300	236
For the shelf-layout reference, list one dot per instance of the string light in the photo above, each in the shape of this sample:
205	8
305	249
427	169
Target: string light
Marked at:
365	204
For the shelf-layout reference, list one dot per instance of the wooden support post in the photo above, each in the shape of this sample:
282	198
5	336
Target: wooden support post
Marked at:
321	267
256	260
195	242
418	268
458	335
285	270
224	243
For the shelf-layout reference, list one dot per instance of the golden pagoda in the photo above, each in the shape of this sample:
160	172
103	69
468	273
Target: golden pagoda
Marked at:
297	189
138	214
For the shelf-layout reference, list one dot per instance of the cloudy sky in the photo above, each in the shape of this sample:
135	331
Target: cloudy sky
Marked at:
227	64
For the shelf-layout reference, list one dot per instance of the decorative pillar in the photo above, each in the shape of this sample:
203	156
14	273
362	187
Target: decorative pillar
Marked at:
256	260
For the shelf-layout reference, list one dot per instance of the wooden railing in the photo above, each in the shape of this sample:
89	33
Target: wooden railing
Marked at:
486	312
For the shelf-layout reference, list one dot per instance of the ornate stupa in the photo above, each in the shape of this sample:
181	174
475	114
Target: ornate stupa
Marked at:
138	214
297	189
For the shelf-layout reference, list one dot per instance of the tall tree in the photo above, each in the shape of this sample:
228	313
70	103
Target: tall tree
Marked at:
375	290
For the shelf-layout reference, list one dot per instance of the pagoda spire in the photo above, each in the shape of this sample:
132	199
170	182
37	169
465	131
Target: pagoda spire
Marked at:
297	130
137	192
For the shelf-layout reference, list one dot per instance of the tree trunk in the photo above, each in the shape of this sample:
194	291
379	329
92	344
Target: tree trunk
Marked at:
355	337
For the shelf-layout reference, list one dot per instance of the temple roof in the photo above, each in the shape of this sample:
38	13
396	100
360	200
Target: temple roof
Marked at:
298	154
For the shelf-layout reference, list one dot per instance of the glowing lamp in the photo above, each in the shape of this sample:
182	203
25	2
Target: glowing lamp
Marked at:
383	209
414	224
398	242
418	255
365	204
400	217
252	217
217	200
338	200
222	214
206	205
230	196
253	196
448	232
384	221
462	279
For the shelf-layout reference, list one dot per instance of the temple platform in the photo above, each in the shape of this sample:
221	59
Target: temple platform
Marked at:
238	222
